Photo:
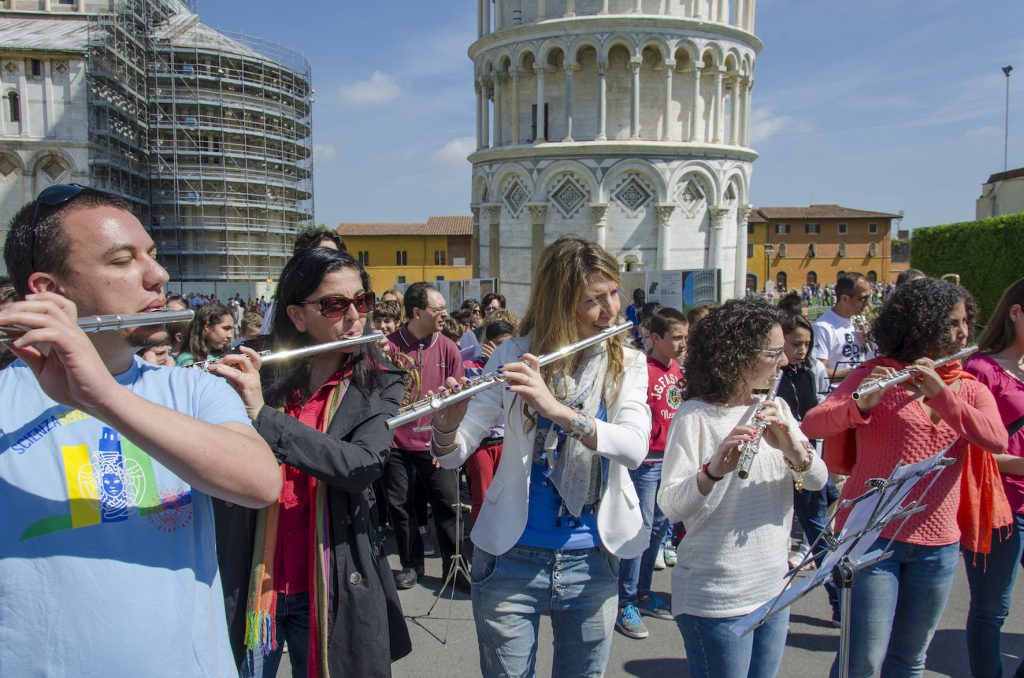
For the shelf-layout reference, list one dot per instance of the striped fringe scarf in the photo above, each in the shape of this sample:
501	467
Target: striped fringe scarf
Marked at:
261	605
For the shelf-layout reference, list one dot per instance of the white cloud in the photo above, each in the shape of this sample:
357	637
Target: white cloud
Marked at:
324	152
764	124
984	131
456	150
379	89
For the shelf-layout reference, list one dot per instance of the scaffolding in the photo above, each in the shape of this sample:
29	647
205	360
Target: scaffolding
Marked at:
209	133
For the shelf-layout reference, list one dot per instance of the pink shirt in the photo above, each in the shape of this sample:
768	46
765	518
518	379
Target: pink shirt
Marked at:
1009	395
898	428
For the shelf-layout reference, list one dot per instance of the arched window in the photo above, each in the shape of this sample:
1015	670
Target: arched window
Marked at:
872	277
13	107
873	249
842	249
780	281
752	283
812	278
783	250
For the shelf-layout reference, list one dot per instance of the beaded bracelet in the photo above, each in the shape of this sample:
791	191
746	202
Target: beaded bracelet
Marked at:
581	427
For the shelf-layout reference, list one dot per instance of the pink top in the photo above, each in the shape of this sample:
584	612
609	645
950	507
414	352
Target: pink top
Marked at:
897	428
1009	394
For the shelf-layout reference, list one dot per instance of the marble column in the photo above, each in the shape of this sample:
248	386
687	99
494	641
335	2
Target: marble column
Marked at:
751	14
634	109
717	217
734	112
487	17
740	14
717	107
570	8
602	102
474	246
517	11
604	7
748	92
696	128
485	111
494	240
666	125
664	213
480	18
540	138
569	68
599	214
538	215
515	106
497	78
740	284
639	7
723	11
479	115
540	10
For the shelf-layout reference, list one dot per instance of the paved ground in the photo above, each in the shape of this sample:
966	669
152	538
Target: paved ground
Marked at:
810	649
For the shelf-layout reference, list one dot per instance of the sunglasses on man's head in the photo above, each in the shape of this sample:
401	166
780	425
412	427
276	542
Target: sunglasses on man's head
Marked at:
336	305
52	196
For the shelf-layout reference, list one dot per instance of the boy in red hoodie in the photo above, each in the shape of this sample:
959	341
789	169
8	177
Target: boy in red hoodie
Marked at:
664	394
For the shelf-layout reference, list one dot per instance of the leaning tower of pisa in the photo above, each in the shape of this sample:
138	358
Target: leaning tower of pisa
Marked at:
625	121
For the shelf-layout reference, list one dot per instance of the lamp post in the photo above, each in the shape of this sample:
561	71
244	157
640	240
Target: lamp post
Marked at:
767	264
1006	125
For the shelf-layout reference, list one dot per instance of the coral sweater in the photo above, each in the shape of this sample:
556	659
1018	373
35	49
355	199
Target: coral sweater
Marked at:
898	428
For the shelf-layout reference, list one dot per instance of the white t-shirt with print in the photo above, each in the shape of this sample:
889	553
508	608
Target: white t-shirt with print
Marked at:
838	343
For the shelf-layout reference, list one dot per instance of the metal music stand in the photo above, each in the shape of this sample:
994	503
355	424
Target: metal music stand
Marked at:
848	554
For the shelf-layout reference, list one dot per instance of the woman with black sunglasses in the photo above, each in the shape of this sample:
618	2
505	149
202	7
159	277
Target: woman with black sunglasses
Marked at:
318	578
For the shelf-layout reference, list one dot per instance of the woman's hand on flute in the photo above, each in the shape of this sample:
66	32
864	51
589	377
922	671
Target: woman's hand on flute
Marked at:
727	455
449	419
779	434
242	372
524	379
925	380
866	402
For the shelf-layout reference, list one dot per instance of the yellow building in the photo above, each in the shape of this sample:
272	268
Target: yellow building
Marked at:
797	246
395	253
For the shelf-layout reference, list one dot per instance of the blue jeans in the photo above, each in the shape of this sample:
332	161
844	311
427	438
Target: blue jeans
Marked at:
513	590
714	651
292	627
991	581
896	606
635	573
811	509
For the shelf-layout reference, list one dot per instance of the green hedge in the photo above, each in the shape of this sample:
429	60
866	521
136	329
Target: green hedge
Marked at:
988	254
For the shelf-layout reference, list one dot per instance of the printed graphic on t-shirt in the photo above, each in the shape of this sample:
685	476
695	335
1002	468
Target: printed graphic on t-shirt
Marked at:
109	482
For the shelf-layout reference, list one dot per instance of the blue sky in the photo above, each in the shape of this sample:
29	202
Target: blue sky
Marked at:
878	104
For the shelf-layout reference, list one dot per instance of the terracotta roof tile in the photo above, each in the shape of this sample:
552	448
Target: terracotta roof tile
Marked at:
815	212
434	226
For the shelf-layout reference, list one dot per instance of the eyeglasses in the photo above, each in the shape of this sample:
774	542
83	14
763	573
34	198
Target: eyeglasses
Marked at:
52	196
437	309
860	297
772	353
336	305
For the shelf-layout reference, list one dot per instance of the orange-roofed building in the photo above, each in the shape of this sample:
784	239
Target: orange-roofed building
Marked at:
402	252
797	246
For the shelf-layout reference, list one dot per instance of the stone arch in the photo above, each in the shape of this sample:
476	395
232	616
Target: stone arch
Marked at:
547	179
689	47
504	60
736	178
481	194
634	166
704	184
657	42
706	174
580	43
10	162
40	160
501	186
619	40
714	51
732	61
548	47
521	52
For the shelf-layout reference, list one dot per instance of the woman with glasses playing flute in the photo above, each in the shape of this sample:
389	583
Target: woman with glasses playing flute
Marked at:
561	509
319	579
733	558
898	602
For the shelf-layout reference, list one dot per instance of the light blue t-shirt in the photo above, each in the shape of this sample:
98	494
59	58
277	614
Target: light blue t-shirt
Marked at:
108	563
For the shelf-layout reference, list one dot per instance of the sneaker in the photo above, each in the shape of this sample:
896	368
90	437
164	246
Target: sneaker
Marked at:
669	554
407	578
653	606
659	560
629	624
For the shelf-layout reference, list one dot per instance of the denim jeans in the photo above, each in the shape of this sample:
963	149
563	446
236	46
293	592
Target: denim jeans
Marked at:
292	622
897	603
635	573
714	651
811	509
991	581
513	590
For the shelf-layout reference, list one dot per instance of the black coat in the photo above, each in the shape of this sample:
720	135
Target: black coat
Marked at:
366	628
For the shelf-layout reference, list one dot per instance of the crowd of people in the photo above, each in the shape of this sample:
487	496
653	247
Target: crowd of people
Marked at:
218	515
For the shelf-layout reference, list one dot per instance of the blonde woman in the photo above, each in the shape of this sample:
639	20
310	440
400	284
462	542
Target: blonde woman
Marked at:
561	509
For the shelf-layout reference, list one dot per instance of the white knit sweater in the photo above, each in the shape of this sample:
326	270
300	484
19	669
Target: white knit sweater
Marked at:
733	558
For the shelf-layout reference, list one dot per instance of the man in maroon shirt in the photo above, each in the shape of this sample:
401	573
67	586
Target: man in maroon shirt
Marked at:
435	358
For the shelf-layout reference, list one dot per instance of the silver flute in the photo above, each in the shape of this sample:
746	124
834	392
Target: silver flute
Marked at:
436	402
106	323
876	385
749	449
271	357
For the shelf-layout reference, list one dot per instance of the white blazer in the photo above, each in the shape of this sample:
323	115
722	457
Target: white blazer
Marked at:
623	440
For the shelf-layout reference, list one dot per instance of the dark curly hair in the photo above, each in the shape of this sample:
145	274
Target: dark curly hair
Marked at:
724	346
914	322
